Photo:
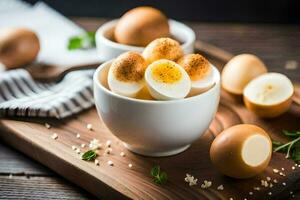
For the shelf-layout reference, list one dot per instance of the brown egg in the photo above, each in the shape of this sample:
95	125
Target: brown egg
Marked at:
241	151
141	25
162	48
18	47
269	95
239	71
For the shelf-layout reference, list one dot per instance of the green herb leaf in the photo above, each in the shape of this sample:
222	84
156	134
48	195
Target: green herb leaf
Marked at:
291	133
85	41
291	148
89	155
155	171
159	176
163	177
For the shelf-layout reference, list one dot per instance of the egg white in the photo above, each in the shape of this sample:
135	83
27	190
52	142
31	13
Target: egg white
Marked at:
129	89
204	84
167	91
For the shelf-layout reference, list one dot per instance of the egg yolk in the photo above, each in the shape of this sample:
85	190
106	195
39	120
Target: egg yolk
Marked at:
166	73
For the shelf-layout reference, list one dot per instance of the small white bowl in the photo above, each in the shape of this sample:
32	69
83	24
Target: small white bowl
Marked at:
109	49
155	128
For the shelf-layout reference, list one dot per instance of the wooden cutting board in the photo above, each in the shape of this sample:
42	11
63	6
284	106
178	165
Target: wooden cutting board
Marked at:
119	181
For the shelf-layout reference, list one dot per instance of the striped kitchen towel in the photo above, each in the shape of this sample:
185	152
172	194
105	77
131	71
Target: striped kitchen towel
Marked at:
20	95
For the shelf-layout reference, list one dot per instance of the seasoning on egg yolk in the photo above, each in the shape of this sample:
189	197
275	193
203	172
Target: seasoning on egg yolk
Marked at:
195	65
166	73
129	69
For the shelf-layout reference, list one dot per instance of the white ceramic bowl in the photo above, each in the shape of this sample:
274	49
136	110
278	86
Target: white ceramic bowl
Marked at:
155	128
109	49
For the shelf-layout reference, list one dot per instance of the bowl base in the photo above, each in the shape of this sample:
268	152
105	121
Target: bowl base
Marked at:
156	153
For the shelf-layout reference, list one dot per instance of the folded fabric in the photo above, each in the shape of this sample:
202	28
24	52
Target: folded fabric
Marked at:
20	95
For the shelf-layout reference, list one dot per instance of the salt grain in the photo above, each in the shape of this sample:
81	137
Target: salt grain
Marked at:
122	154
108	143
268	178
96	162
74	148
47	126
293	168
130	165
281	174
284	183
270	193
10	176
108	151
110	163
54	136
275	171
89	126
220	187
250	193
82	145
78	135
264	183
78	151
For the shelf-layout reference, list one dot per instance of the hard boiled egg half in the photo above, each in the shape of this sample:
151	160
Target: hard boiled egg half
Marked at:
200	71
162	48
166	80
126	74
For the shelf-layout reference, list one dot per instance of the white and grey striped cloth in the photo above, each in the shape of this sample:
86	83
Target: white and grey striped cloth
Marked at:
20	95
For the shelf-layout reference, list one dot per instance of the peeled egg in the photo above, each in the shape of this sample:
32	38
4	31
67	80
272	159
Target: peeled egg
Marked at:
126	74
140	26
200	71
239	71
241	151
269	95
166	80
162	48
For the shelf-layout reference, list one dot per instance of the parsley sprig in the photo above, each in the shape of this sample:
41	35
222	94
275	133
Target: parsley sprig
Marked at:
291	148
160	177
84	41
89	155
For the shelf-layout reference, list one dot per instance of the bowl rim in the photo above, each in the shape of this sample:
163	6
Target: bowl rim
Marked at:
190	39
143	101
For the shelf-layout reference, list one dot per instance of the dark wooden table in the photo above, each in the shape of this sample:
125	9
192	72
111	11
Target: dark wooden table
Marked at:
21	177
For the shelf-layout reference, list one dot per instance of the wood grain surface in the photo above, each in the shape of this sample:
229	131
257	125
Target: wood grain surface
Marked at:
195	165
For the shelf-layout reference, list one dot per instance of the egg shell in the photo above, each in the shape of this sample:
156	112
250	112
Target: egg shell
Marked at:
239	71
140	26
18	47
162	48
268	111
226	151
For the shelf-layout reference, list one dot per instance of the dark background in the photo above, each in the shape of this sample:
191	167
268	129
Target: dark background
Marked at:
270	11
